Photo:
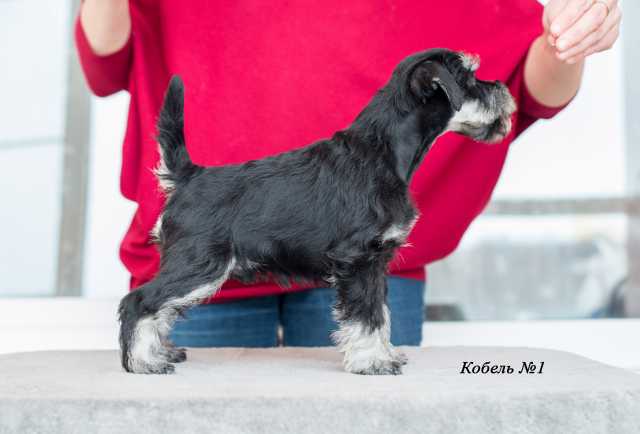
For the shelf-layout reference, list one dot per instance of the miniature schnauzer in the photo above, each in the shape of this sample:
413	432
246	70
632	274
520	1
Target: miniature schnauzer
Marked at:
334	211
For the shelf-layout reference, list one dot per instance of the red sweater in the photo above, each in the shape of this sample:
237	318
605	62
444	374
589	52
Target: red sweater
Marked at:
266	77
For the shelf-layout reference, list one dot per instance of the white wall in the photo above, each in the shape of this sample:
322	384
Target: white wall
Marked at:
33	76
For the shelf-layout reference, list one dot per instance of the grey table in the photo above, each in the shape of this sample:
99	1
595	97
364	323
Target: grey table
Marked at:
305	391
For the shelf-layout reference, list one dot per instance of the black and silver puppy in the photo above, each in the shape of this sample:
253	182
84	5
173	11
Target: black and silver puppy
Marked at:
334	211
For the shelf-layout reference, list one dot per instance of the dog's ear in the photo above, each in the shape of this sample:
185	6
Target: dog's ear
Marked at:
429	76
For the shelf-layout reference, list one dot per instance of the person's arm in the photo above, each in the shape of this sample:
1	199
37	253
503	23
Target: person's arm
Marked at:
107	25
103	41
574	29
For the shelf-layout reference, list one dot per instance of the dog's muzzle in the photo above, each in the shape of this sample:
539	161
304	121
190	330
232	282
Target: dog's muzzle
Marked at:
487	117
501	106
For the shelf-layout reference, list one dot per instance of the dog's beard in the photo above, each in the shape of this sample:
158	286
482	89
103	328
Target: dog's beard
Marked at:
487	120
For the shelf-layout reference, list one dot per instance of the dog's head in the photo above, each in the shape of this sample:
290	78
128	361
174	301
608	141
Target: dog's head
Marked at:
430	93
444	82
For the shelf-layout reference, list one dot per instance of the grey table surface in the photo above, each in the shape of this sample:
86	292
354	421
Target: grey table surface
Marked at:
289	390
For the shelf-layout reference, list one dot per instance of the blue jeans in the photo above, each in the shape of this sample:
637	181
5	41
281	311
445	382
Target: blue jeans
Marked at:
305	318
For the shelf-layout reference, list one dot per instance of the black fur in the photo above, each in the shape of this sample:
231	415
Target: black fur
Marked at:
317	213
179	167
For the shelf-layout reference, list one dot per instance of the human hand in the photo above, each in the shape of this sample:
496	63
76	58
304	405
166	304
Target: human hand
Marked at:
579	28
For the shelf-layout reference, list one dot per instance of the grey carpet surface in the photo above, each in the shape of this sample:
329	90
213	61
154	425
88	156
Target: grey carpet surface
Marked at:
306	391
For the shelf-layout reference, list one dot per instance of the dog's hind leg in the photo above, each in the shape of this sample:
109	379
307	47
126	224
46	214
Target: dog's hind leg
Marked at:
148	313
364	322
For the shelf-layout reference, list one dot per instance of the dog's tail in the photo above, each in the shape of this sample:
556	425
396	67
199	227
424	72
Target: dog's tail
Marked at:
175	166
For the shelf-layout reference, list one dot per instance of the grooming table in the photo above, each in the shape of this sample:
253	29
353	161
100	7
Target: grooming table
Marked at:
299	391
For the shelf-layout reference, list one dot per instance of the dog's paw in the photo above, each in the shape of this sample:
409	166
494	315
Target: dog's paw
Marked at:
177	355
160	369
378	367
138	367
399	356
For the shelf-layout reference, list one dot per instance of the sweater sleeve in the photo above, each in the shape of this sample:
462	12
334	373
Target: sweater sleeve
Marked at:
105	75
529	108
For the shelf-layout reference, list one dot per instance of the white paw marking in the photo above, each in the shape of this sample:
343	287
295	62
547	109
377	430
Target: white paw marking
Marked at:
147	346
364	350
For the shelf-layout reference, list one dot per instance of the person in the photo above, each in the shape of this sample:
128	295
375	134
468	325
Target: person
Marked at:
267	77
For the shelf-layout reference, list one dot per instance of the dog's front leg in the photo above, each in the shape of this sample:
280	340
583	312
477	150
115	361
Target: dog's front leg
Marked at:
364	324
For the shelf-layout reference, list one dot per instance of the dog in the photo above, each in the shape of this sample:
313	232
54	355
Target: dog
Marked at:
334	211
